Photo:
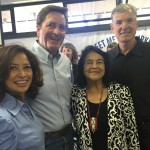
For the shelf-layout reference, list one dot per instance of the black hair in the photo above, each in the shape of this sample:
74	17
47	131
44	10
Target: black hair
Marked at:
81	80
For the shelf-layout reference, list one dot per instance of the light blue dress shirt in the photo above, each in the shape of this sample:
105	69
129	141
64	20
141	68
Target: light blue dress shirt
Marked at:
20	129
52	104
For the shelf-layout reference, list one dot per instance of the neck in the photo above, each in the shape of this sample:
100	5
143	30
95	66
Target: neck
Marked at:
16	95
127	47
95	86
20	97
94	90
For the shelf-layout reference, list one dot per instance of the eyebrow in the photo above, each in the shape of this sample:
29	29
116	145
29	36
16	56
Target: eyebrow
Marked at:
18	64
96	60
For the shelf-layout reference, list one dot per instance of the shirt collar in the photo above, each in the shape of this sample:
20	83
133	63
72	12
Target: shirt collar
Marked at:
11	104
136	50
44	55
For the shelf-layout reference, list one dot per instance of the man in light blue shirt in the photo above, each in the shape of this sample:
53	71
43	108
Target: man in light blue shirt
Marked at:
52	104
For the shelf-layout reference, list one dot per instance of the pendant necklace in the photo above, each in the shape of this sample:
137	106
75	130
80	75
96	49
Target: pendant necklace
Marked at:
93	121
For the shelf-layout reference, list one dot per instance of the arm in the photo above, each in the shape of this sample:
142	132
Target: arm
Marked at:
8	139
130	121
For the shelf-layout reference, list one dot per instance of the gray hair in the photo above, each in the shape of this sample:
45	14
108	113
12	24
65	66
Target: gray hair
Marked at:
124	8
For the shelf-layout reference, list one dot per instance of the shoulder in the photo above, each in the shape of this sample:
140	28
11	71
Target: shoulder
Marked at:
115	88
75	88
7	132
77	91
4	113
5	116
113	53
64	58
146	44
120	95
6	124
142	47
115	85
35	47
146	47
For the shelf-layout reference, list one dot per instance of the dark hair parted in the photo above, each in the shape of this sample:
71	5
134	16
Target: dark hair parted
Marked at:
7	53
48	9
74	52
81	81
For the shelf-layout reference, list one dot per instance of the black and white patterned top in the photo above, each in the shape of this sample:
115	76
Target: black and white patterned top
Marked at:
122	129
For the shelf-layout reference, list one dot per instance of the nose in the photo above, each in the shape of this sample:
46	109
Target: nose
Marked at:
21	73
94	65
125	24
56	30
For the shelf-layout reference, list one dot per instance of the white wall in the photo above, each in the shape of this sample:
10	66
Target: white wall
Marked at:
80	40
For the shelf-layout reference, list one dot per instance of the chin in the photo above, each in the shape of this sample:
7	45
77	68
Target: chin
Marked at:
54	47
125	40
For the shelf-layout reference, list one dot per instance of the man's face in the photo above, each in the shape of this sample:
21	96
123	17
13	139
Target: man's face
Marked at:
52	32
124	26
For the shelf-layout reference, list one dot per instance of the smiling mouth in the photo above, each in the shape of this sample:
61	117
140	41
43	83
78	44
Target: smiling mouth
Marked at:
53	38
21	83
125	33
95	72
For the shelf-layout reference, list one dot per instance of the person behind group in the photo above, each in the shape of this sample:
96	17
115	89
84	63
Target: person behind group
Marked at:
111	46
20	78
103	112
52	104
129	65
70	51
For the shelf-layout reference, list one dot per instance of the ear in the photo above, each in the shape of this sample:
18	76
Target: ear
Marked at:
136	24
38	30
111	26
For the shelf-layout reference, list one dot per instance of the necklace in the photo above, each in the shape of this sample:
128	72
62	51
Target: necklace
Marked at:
93	121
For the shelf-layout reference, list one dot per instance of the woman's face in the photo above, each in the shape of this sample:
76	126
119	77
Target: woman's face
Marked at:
20	75
68	52
94	67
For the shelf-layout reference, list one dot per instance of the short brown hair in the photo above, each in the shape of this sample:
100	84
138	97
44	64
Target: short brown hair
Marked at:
50	8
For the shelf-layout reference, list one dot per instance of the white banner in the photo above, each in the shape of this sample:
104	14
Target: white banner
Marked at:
101	39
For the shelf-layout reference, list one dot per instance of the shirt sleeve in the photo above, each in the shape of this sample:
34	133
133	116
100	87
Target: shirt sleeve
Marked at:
8	138
130	121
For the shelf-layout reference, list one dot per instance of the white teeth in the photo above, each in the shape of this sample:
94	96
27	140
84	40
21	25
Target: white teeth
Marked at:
54	38
20	82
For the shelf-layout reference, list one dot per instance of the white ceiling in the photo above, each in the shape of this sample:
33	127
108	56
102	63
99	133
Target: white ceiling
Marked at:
8	2
137	3
79	9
